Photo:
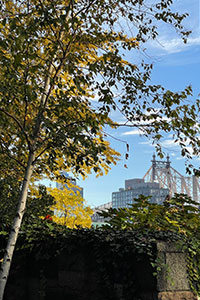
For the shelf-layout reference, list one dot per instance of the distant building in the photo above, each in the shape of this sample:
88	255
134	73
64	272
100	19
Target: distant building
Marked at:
96	218
134	188
73	181
125	196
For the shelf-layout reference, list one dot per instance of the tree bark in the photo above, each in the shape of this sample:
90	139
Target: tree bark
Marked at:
5	267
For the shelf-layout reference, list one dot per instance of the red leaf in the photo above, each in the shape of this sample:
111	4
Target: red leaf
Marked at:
48	217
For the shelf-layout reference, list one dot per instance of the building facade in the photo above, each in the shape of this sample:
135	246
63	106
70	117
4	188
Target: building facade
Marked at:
134	188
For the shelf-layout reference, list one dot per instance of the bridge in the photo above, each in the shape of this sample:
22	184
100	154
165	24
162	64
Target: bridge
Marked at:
163	173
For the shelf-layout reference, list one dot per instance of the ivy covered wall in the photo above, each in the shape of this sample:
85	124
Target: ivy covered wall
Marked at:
98	265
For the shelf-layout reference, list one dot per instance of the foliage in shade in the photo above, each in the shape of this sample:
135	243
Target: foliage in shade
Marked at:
47	239
178	216
38	204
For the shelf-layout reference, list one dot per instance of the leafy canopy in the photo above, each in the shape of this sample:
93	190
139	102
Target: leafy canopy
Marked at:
61	67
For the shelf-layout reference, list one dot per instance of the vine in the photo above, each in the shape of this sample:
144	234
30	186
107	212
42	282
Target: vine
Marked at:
129	233
177	221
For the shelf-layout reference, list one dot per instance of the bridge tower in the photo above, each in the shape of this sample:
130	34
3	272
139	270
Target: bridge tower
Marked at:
163	173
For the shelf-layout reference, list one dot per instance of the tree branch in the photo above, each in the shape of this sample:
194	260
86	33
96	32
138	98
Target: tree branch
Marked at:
18	123
4	148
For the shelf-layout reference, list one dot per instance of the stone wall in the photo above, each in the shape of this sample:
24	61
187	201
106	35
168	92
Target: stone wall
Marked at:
172	280
78	275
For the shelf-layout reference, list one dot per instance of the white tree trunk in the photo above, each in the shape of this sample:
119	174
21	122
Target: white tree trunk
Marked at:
5	267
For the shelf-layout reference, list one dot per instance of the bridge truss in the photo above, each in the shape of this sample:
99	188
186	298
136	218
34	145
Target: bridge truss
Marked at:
163	173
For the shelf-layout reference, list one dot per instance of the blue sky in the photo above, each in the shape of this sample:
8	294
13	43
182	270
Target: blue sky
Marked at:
176	66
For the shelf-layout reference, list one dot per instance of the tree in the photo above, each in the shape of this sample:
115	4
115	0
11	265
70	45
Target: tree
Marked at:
70	209
179	214
55	58
39	202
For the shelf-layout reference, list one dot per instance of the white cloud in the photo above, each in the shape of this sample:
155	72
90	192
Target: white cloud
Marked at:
175	45
133	132
173	154
149	143
168	144
168	41
180	158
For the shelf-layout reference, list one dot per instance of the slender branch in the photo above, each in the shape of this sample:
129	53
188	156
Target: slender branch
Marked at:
4	148
25	90
110	135
85	8
130	125
43	151
18	123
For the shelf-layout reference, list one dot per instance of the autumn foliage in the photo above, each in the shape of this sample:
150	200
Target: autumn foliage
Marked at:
70	209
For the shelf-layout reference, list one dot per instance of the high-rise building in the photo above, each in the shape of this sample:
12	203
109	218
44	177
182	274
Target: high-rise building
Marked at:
134	188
